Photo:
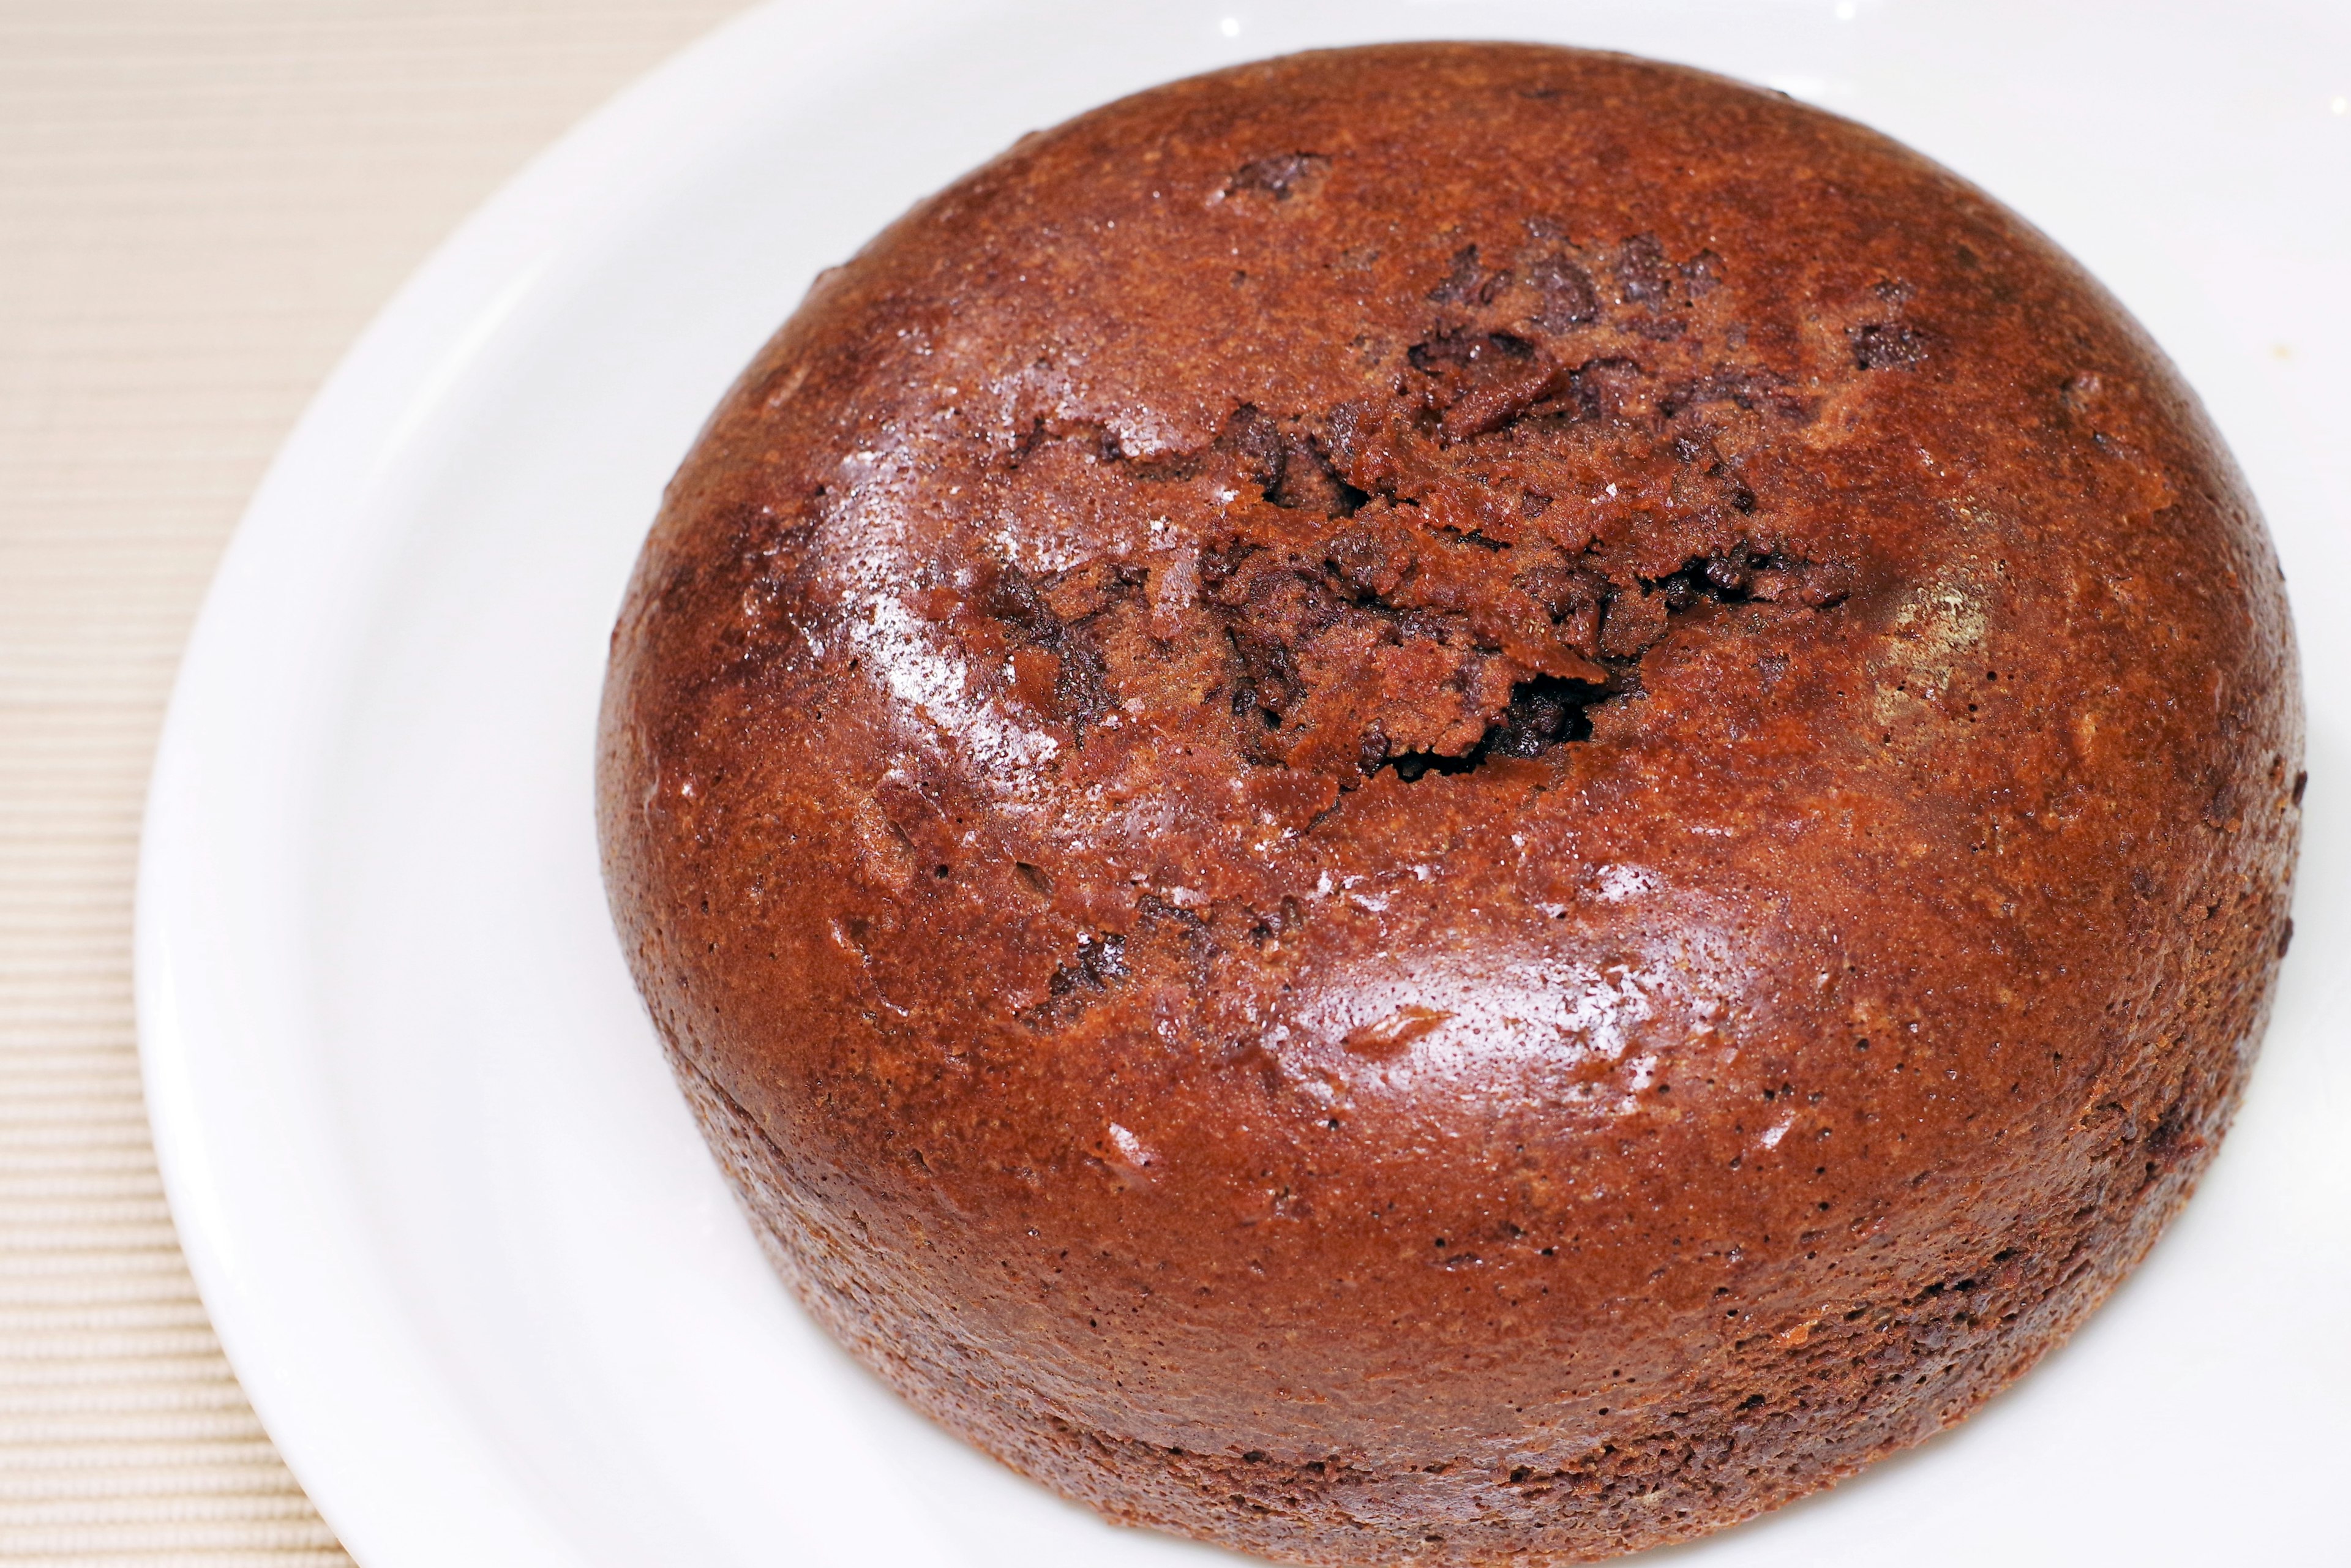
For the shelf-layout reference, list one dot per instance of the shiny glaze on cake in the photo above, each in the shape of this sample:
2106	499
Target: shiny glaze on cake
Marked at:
1455	802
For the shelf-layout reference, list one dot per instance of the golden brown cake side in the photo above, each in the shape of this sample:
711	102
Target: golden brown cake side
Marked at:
1455	802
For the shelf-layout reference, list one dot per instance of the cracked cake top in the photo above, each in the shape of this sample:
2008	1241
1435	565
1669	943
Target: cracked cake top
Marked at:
1457	645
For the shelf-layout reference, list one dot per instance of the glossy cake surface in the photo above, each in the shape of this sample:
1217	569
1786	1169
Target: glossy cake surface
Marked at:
1455	802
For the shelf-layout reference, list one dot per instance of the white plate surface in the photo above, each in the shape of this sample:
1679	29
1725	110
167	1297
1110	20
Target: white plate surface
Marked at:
457	1230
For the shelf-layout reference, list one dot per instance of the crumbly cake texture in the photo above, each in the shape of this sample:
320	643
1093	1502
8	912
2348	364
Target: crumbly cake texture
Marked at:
1454	802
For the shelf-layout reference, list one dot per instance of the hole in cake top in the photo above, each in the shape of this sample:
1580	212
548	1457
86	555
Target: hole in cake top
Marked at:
1455	570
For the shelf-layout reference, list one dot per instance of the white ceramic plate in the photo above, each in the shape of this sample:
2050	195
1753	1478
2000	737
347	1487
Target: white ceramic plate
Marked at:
450	1218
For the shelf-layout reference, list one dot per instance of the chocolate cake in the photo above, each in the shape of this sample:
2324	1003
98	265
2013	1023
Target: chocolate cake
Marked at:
1454	802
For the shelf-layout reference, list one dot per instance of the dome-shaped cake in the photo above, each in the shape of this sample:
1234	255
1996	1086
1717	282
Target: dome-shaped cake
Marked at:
1455	802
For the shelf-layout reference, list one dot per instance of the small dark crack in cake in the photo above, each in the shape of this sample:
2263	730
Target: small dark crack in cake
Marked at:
1454	802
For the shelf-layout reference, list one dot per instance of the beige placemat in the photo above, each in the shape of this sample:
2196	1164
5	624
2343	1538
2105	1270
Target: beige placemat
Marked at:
201	203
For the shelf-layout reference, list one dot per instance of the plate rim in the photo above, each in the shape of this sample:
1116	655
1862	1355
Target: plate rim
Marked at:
201	1046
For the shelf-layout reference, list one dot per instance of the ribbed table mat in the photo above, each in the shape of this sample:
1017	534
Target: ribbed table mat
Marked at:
200	203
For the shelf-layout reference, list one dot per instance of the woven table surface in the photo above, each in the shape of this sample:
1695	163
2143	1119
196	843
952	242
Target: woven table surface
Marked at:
202	202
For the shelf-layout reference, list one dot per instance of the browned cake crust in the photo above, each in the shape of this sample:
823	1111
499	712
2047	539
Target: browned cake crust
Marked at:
1455	802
